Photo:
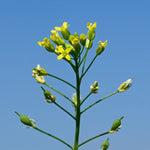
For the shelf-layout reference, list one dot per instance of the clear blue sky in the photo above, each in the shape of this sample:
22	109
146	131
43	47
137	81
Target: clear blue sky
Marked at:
126	26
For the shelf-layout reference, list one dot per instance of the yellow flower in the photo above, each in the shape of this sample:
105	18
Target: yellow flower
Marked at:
125	85
101	47
63	27
91	27
91	32
63	53
64	31
83	38
103	44
47	44
56	38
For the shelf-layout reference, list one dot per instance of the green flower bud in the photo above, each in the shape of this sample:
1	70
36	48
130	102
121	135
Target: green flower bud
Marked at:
64	31
83	39
50	48
99	50
91	35
91	32
105	145
116	125
88	44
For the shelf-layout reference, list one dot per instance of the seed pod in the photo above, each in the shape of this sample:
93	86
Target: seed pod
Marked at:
105	145
116	124
26	120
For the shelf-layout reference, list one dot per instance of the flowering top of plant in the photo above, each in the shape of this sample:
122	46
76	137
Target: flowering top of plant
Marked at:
73	49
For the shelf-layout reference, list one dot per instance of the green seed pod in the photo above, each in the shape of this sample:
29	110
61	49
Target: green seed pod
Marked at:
105	145
26	120
116	124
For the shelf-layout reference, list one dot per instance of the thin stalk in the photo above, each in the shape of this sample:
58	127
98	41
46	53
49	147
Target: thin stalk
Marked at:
53	136
93	138
58	92
85	98
62	80
64	110
77	108
80	54
88	67
85	56
99	101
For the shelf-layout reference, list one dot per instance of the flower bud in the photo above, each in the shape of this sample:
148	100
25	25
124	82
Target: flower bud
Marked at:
74	40
125	85
64	31
56	38
116	125
83	39
101	47
88	44
105	145
91	32
47	44
94	87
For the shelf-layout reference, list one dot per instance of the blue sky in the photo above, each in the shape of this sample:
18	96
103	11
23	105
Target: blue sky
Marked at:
125	24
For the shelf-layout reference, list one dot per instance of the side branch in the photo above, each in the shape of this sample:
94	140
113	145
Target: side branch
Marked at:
62	80
88	67
99	101
93	138
64	110
58	92
53	136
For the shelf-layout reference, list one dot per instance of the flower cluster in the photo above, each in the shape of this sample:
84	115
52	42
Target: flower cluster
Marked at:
70	45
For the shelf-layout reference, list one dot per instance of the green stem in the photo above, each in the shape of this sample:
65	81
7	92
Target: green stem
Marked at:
93	138
58	92
84	58
88	67
80	55
85	98
62	80
77	108
64	110
99	101
53	137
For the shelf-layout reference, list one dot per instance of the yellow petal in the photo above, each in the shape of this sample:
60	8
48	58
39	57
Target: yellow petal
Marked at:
68	57
58	28
65	25
60	56
68	50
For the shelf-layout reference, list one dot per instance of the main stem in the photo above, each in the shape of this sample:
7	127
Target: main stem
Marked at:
77	107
